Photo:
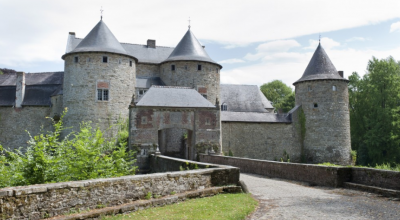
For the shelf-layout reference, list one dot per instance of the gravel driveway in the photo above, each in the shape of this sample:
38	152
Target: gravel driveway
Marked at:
282	199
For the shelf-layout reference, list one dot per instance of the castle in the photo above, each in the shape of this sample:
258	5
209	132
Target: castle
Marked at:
176	104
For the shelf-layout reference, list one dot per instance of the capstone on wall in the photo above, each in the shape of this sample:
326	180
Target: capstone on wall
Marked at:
147	70
81	81
327	136
15	122
267	141
205	81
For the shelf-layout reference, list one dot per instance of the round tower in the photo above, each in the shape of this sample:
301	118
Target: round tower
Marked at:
323	95
99	80
190	66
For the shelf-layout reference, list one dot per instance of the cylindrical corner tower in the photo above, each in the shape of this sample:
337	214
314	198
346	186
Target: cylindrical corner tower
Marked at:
323	94
99	80
190	66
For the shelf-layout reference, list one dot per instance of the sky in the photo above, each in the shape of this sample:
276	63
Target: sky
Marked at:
255	41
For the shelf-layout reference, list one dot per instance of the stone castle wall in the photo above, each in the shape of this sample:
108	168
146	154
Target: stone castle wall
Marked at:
81	81
267	141
205	81
327	137
171	142
147	70
15	122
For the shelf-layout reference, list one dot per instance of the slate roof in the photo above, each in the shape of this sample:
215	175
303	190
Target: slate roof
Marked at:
320	68
169	96
254	117
244	98
38	90
99	39
7	95
189	48
147	82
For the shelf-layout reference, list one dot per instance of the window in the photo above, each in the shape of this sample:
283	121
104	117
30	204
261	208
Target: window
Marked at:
333	88
143	120
142	92
199	67
208	121
89	60
217	70
186	67
224	107
119	61
315	105
309	88
173	67
76	59
130	62
102	94
205	96
105	59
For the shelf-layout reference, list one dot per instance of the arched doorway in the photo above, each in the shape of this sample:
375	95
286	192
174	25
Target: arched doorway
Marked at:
176	142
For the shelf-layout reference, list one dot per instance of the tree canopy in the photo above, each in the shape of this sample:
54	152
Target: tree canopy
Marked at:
280	94
374	104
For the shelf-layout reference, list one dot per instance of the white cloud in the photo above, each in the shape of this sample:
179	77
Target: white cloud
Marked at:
267	49
356	39
327	43
395	27
231	61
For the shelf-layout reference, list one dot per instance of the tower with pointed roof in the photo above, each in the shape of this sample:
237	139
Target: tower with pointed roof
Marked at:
190	66
322	92
99	79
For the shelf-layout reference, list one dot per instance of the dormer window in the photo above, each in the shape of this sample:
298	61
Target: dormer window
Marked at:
76	59
199	67
173	67
224	107
105	59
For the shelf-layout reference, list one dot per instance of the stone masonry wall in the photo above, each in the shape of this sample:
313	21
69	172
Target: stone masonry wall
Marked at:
15	122
147	70
171	142
327	137
81	81
187	75
48	200
266	141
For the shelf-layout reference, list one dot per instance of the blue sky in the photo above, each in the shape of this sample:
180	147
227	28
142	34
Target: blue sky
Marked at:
255	41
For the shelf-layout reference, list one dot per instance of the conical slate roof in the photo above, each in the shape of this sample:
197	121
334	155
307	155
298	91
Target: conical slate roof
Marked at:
189	48
320	68
100	39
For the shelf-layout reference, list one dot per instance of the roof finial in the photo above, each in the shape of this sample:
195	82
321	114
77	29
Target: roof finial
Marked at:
319	38
189	22
101	13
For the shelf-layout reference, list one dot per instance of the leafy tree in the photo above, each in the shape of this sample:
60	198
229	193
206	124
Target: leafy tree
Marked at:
79	156
5	71
279	94
374	103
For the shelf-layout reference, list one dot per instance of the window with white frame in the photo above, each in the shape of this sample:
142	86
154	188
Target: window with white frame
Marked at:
103	93
224	107
141	92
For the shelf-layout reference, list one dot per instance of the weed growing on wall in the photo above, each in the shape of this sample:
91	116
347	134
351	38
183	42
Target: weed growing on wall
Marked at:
80	155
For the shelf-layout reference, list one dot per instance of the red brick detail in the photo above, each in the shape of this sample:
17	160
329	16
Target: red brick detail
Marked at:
202	90
203	115
102	85
144	113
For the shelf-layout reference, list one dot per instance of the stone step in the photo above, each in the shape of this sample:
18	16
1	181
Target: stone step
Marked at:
373	189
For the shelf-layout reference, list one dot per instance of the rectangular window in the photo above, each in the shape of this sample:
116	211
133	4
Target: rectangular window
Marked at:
186	67
173	67
142	92
105	59
130	62
119	61
89	60
217	70
76	59
199	67
102	94
333	88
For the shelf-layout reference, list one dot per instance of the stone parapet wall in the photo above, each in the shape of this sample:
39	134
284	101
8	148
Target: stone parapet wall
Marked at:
314	174
48	200
374	177
147	70
14	124
267	141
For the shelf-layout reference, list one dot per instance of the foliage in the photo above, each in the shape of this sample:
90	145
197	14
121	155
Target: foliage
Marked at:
149	195
374	102
285	157
380	167
80	155
188	166
230	154
329	164
6	71
287	103
353	156
277	92
222	206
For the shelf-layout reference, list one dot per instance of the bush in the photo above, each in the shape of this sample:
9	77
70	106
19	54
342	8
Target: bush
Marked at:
80	155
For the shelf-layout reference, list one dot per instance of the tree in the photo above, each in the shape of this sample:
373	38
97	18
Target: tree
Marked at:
374	103
278	93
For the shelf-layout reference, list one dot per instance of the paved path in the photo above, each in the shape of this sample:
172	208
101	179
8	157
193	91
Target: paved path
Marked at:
281	199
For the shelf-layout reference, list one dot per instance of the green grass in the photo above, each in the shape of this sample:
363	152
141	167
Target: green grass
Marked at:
222	206
379	167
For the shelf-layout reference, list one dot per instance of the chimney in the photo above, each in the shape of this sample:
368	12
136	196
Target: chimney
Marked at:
151	43
20	90
204	46
71	33
340	73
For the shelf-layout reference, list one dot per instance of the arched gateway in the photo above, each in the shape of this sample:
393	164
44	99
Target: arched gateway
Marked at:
164	114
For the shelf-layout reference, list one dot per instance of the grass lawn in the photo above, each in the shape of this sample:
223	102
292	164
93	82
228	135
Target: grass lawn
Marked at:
222	206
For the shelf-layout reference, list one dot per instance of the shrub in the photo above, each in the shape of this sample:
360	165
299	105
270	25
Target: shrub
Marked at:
80	155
